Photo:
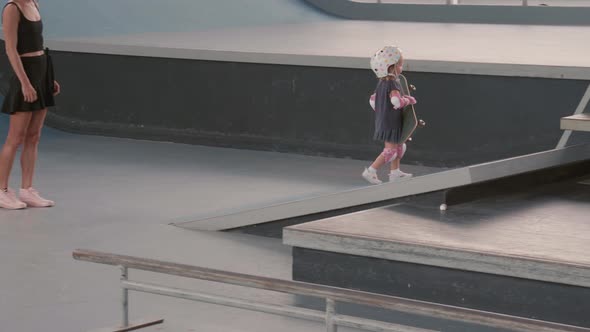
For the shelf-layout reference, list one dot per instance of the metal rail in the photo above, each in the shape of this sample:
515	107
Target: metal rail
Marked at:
524	3
331	294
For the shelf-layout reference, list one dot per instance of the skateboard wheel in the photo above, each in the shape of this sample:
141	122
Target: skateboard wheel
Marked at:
443	207
422	123
413	87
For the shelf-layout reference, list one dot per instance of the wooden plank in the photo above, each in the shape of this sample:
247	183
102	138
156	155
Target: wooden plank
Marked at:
578	122
335	201
337	294
413	186
134	327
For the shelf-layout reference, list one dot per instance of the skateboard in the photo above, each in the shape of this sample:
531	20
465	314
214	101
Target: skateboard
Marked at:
409	119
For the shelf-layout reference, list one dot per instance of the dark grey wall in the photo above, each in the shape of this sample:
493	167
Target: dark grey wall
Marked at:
455	14
553	302
311	110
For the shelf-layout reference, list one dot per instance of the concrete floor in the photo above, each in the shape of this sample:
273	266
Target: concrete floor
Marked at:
119	195
187	181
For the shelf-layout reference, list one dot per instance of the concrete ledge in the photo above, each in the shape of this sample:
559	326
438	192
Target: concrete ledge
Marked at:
349	44
538	235
310	236
327	61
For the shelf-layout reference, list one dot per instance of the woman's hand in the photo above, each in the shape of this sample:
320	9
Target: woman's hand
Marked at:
56	88
29	93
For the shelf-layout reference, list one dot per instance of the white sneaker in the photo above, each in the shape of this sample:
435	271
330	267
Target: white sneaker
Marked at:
12	195
9	201
397	175
33	199
371	177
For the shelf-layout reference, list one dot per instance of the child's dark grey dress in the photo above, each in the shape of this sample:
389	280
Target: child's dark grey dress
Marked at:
388	121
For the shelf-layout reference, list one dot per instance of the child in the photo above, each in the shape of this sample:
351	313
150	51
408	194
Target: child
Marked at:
388	103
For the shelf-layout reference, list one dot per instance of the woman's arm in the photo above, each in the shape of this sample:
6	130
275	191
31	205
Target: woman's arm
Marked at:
10	20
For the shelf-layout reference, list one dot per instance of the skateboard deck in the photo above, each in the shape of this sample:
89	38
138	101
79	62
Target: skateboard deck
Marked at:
409	119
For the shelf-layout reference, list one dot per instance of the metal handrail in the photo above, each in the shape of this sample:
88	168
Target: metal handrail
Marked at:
331	294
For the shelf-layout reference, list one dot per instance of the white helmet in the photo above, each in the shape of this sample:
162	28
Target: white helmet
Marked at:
384	58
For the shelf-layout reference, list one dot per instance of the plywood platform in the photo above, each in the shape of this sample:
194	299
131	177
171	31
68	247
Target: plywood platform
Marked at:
541	235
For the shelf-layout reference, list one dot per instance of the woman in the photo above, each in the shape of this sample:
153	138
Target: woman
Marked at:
31	91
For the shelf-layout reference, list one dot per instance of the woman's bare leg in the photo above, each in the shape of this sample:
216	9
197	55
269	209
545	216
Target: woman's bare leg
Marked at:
19	122
29	155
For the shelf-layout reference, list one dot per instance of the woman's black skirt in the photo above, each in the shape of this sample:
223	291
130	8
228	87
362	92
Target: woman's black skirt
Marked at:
39	70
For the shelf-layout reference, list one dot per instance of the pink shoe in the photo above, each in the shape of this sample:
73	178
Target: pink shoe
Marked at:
32	198
12	195
8	202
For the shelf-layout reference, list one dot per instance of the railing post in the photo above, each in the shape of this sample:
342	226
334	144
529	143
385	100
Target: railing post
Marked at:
125	298
330	311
